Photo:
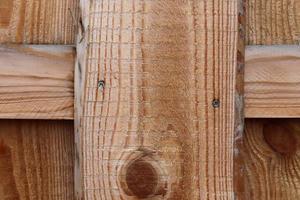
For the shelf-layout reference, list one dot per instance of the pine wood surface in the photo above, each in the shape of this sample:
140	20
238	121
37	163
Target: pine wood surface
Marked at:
273	22
38	21
39	84
271	156
36	160
147	75
272	81
36	82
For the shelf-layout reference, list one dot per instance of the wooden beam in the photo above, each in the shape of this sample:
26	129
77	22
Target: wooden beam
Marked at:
273	22
38	21
36	159
158	99
36	82
272	81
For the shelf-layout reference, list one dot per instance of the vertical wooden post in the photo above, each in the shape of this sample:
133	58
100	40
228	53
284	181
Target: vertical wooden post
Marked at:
158	99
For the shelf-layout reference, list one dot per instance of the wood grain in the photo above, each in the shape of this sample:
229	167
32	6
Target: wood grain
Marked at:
36	82
158	99
272	81
273	22
39	84
271	155
38	21
36	160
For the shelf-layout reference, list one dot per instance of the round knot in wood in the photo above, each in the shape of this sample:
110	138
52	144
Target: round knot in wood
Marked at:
280	137
142	177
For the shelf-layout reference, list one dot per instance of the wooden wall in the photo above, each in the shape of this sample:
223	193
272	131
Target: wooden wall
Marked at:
268	154
36	156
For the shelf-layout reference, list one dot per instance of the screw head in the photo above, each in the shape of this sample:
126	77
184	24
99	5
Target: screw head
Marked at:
101	84
216	103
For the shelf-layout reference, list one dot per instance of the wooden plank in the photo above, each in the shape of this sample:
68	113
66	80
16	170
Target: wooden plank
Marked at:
158	87
273	22
38	21
272	81
271	159
36	82
36	160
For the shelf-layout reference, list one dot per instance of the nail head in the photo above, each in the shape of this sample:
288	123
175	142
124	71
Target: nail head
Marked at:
216	103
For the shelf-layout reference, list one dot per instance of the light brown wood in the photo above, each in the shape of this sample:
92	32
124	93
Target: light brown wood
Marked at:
271	154
38	21
273	22
39	84
36	82
36	160
272	81
149	75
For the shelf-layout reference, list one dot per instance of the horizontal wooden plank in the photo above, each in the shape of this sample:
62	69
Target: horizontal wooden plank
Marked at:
36	82
272	81
38	21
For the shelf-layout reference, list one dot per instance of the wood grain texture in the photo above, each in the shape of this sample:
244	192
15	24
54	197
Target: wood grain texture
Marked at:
39	84
36	82
38	21
271	155
273	22
158	99
36	160
272	81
